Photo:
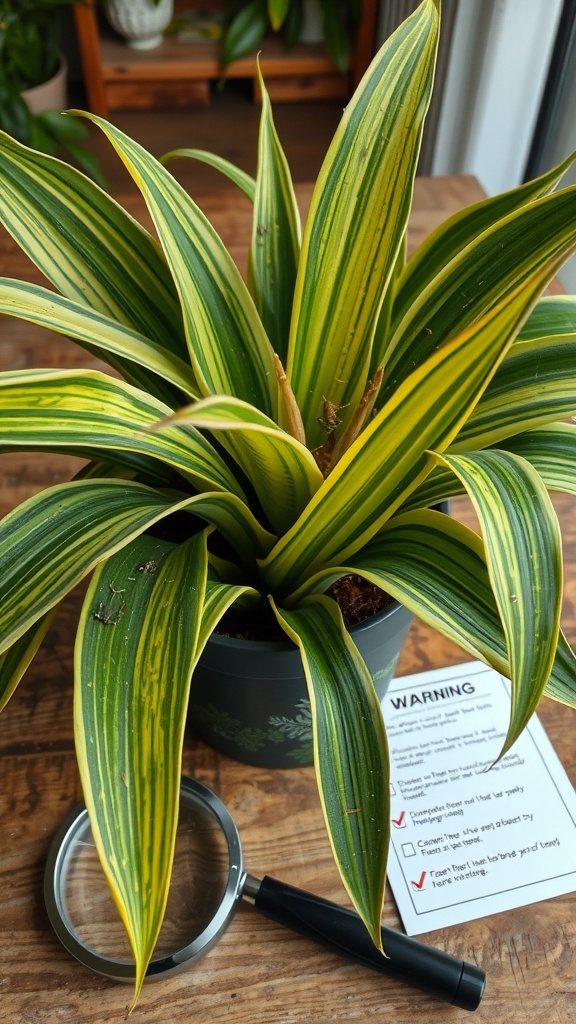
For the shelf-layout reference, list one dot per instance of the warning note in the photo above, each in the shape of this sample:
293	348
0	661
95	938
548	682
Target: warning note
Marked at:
470	837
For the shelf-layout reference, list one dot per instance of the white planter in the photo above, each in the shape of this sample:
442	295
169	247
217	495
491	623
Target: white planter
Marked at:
141	22
50	95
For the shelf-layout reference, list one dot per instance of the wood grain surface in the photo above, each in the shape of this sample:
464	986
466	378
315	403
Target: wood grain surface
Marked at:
259	973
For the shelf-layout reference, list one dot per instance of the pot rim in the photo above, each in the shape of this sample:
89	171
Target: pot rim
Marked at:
288	645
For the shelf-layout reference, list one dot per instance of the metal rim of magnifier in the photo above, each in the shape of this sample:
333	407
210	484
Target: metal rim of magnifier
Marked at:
54	881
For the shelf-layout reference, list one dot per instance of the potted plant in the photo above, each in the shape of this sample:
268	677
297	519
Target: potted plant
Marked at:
248	21
286	435
33	81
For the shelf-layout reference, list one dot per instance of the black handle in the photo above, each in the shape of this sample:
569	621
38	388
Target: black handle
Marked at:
445	976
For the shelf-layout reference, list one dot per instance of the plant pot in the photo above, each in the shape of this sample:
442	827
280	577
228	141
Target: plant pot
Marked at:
140	21
249	698
50	95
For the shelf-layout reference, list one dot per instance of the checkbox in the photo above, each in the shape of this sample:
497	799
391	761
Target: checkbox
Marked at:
408	850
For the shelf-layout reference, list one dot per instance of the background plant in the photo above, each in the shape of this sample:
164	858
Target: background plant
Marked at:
311	420
30	56
248	21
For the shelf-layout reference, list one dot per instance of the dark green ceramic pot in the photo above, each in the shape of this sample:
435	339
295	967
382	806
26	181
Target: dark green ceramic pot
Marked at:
249	698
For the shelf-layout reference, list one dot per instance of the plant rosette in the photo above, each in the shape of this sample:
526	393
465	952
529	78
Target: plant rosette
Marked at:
308	420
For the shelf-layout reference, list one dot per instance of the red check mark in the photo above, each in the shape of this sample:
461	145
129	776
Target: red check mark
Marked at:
419	885
400	822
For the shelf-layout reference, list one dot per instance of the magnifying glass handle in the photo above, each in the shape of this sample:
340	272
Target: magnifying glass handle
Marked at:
436	972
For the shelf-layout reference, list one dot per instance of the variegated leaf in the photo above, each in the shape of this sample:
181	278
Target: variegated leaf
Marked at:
103	336
15	659
534	386
524	557
282	471
350	752
275	245
437	568
357	220
133	672
536	383
392	455
229	350
245	182
492	266
80	409
458	231
54	539
552	452
88	247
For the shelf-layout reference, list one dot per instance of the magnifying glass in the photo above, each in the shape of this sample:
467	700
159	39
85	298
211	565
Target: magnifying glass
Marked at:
208	879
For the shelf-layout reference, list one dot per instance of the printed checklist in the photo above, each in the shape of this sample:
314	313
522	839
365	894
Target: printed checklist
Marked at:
470	837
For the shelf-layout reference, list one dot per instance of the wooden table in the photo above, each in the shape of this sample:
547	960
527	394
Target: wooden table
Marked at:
259	973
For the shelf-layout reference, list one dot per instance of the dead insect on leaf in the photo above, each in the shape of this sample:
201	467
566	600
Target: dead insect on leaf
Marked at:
148	567
109	612
329	420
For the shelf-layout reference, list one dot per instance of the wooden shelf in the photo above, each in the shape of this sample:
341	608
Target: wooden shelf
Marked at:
179	74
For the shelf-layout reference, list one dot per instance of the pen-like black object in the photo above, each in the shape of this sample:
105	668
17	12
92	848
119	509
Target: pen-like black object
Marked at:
447	977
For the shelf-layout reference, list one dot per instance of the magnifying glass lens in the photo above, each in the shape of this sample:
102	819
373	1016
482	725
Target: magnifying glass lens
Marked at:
199	882
207	880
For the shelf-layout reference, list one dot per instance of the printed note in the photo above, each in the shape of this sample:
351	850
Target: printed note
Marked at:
470	837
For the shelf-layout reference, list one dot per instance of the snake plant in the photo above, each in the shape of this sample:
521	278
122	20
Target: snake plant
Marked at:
311	419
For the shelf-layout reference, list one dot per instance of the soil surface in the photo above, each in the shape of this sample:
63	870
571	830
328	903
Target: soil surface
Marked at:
357	598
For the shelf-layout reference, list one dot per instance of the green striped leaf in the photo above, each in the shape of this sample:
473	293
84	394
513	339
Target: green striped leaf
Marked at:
562	683
101	335
382	333
535	385
553	316
129	737
281	470
87	246
229	350
392	455
552	452
437	568
54	539
524	557
245	182
218	599
275	246
489	268
15	659
71	410
357	220
350	752
457	232
125	465
439	486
